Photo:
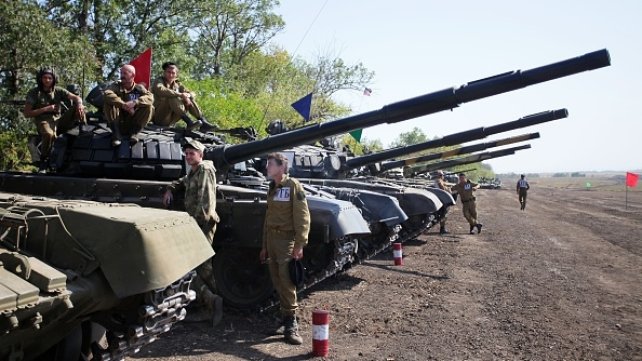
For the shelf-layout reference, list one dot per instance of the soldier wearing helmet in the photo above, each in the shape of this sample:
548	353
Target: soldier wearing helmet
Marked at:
43	104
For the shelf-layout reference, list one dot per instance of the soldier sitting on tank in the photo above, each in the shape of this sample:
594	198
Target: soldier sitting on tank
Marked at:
128	106
200	202
43	104
173	101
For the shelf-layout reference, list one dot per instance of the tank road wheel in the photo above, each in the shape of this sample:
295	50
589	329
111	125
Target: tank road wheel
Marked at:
240	278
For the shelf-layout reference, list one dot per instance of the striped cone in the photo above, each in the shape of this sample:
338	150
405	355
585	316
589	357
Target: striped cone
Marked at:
397	253
320	332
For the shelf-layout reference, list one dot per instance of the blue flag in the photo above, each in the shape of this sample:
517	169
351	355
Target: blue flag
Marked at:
303	105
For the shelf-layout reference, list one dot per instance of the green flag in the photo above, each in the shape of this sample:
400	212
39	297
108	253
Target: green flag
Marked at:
588	184
356	134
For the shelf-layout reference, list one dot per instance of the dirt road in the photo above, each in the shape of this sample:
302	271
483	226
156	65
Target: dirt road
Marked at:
559	281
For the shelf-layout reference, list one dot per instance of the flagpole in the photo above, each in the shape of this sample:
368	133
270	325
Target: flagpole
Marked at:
626	196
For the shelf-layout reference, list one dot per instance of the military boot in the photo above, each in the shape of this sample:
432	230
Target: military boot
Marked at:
191	124
133	138
207	126
291	331
213	306
43	166
479	227
115	134
471	229
443	230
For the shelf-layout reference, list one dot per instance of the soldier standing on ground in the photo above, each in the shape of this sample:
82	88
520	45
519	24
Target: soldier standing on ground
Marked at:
173	101
128	106
522	189
200	202
43	104
285	233
465	189
441	184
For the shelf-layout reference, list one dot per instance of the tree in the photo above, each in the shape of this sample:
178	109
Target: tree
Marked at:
359	148
415	136
227	31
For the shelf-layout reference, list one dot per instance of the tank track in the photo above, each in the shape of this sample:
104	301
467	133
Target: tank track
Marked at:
160	310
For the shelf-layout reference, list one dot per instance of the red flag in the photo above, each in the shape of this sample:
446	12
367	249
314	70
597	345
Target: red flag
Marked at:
143	65
632	179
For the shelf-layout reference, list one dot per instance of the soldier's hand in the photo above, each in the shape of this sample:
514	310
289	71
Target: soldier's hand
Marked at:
168	197
186	100
263	255
297	252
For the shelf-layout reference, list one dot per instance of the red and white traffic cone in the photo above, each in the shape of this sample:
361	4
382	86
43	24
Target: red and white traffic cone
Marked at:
397	253
320	332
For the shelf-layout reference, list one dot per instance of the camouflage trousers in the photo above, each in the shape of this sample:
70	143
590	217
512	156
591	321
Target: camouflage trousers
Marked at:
470	212
280	253
204	281
170	110
443	216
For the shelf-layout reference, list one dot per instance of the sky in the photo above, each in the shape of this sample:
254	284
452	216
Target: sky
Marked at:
419	47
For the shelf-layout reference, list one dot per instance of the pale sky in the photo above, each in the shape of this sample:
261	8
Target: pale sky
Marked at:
418	47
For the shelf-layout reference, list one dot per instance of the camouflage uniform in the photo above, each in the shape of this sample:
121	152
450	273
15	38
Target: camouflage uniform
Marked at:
168	104
51	124
200	203
287	223
116	96
465	191
441	184
522	189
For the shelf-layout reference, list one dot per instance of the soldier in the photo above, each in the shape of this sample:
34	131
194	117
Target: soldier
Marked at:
441	184
173	101
128	106
465	189
522	189
200	202
285	233
43	104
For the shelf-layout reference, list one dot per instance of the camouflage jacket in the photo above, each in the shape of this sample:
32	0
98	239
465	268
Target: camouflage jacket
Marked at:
287	211
117	95
200	193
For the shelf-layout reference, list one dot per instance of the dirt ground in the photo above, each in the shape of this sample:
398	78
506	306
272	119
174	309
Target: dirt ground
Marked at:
559	281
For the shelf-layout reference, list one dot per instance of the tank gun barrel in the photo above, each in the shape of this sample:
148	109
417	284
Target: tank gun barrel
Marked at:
412	108
453	152
458	138
474	158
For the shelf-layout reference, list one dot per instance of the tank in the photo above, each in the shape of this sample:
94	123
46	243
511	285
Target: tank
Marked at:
71	290
386	166
424	206
372	161
413	171
90	169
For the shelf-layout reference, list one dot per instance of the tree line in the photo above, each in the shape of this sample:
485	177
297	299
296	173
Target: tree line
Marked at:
223	48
